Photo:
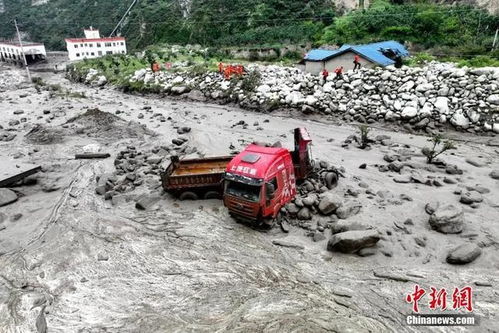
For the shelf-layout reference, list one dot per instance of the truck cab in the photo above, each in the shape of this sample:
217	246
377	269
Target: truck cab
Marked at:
260	180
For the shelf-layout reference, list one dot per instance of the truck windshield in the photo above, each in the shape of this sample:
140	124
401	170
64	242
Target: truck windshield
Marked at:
248	192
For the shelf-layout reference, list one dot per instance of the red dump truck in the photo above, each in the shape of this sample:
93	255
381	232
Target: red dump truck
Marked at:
254	184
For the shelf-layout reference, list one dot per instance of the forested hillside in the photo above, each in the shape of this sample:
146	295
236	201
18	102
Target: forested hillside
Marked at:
460	29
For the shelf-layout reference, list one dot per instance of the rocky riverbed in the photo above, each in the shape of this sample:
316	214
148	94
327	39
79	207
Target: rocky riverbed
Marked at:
96	246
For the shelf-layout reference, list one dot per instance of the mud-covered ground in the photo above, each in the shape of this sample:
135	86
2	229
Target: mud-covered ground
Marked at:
79	263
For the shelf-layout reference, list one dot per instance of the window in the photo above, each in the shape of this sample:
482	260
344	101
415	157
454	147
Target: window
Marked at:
87	53
114	44
98	44
90	45
86	44
92	54
123	52
109	52
271	188
99	53
77	54
122	43
107	44
81	45
76	46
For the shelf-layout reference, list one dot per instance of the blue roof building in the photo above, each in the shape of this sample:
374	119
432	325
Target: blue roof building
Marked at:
370	55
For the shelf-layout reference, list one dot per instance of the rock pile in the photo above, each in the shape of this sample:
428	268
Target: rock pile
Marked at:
133	167
423	98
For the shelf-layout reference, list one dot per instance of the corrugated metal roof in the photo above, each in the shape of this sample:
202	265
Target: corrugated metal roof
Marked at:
319	55
371	52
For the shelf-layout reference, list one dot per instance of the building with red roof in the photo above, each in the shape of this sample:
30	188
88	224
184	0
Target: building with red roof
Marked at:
94	46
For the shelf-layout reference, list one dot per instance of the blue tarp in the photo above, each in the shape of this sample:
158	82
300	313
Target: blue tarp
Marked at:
372	52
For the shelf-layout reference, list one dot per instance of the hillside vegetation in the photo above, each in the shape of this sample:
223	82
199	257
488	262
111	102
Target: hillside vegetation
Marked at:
457	30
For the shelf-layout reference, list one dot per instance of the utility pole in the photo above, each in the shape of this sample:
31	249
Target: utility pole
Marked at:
22	50
495	39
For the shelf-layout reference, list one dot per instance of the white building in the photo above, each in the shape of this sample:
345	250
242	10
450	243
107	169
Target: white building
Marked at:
11	51
94	46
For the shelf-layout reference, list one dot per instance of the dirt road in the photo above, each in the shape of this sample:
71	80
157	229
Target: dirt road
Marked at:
83	264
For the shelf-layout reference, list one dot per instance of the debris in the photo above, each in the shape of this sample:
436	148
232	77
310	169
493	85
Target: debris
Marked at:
91	156
11	172
284	243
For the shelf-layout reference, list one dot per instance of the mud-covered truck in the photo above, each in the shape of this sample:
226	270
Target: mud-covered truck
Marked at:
255	184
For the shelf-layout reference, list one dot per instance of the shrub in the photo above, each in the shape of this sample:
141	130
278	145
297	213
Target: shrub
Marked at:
364	136
438	148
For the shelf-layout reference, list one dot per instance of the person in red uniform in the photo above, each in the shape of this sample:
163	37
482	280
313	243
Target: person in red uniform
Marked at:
220	67
339	72
325	74
356	62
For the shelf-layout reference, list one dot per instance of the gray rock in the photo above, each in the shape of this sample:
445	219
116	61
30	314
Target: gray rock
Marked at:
179	90
403	179
318	236
348	209
464	254
344	225
475	163
304	214
453	170
7	197
494	174
146	201
353	241
367	251
447	219
329	202
309	200
102	257
470	197
292	209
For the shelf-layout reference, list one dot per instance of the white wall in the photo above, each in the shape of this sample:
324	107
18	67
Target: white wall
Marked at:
13	52
346	60
88	49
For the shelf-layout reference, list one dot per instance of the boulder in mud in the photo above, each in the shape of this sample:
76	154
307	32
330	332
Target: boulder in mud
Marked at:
348	209
179	90
447	219
344	225
7	196
304	214
353	241
494	174
471	197
463	254
329	202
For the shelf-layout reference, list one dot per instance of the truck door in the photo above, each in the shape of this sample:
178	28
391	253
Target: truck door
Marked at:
273	193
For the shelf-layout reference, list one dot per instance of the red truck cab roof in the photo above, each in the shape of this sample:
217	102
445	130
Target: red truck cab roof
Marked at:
255	161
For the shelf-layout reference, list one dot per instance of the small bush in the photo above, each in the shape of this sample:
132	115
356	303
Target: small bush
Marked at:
364	136
438	148
251	81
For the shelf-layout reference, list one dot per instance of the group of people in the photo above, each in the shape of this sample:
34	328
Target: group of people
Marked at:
228	70
339	70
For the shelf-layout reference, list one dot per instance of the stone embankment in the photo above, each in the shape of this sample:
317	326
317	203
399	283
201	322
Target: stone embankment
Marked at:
418	98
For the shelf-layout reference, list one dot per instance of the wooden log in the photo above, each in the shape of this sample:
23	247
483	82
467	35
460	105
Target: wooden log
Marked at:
91	156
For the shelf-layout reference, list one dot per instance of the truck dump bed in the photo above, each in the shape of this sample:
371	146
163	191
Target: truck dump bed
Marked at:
196	173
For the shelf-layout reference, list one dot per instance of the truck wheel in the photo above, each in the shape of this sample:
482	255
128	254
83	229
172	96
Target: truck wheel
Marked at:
188	196
212	195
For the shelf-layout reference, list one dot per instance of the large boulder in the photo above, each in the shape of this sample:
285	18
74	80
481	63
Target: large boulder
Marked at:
458	119
179	90
7	196
464	254
353	241
447	219
329	202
